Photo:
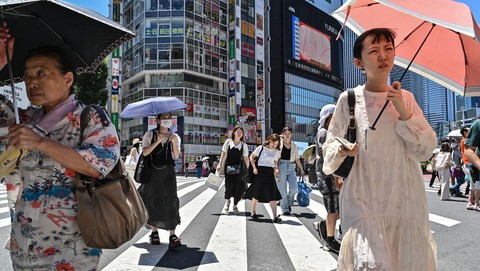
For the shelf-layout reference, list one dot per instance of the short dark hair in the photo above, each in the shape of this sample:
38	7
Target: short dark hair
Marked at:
445	147
286	128
378	34
463	130
63	59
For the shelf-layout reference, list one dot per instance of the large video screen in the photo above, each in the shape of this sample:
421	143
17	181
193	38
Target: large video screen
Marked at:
311	44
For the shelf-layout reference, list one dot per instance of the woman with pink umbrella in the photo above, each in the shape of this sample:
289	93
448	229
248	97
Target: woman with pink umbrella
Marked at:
383	205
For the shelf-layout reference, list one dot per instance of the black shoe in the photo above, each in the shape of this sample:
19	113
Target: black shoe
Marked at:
254	216
277	219
321	228
154	238
290	208
333	246
174	242
287	213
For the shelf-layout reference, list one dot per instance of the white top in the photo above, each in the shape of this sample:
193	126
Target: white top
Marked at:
147	139
230	144
383	206
268	157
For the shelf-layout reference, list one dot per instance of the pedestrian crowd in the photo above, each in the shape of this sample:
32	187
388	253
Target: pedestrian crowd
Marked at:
380	201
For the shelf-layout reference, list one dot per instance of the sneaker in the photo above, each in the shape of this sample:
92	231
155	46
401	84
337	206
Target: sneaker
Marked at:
470	207
333	246
235	209
477	208
321	228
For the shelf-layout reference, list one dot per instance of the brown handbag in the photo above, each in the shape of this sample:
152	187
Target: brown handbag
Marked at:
109	211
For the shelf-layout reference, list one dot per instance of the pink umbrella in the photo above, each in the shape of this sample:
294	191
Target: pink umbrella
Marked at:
436	39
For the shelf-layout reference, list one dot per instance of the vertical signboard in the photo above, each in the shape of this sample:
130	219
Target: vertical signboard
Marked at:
231	63
260	58
115	75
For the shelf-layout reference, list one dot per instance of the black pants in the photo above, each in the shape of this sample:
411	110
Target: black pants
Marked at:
234	187
434	175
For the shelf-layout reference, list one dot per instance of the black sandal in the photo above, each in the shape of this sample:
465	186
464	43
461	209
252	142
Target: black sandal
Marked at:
254	216
154	238
174	242
277	219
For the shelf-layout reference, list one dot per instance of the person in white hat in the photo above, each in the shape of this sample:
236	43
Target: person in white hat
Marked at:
327	185
132	159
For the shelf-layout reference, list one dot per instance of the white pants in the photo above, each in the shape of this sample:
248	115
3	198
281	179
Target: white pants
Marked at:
444	175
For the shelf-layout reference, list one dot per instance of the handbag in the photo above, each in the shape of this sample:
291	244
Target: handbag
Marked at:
344	169
143	170
232	169
109	211
303	198
213	181
429	168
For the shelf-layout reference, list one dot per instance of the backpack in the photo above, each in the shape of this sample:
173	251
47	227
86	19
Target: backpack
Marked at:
109	211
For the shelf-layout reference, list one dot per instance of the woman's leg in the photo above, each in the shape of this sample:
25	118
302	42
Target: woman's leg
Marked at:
292	185
254	206
282	186
273	205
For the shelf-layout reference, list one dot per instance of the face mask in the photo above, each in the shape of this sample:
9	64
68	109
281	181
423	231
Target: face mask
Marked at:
166	123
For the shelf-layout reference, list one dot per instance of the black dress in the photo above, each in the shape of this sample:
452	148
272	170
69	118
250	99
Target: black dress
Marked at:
234	184
160	193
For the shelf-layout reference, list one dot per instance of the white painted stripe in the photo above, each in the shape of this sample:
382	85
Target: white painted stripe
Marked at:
299	243
5	222
189	181
188	189
3	196
4	210
442	220
130	258
228	248
318	209
3	201
316	192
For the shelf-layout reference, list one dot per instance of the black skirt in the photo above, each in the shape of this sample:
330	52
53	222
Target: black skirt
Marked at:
160	198
263	187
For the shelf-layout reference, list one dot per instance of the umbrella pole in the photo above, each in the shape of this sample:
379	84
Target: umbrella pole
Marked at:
372	127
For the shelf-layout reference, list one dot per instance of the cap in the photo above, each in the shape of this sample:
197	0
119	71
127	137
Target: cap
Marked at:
326	111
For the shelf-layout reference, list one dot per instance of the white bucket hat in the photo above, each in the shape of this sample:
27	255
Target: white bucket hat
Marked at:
326	111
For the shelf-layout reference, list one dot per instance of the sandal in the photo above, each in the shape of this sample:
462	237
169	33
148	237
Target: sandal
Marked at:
227	206
174	242
154	238
277	219
254	216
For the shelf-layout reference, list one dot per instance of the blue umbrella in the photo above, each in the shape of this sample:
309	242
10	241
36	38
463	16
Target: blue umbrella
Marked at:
152	107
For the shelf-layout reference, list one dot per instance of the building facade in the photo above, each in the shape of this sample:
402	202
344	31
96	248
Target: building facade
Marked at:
180	50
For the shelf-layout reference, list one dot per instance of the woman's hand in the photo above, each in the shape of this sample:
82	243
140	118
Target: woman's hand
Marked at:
394	94
5	40
173	138
255	171
23	137
350	152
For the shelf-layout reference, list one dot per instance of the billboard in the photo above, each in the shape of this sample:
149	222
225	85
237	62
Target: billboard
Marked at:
311	44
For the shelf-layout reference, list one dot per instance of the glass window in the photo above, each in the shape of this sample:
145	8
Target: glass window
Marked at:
164	30
177	53
198	9
177	27
188	5
177	4
151	29
189	28
164	4
198	31
150	56
163	56
152	5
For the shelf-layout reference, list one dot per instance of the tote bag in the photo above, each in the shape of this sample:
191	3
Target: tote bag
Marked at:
213	181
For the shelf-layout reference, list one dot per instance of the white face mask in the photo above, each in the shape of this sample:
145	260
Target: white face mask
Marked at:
167	123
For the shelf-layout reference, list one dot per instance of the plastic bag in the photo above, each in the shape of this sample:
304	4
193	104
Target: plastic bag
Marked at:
303	198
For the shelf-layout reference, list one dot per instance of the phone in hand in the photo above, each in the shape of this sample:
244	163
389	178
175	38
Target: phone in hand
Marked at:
345	143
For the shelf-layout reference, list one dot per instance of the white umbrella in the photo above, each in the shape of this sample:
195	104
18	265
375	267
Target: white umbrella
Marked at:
454	133
205	158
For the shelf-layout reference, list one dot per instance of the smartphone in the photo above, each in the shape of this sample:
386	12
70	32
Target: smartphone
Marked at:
345	143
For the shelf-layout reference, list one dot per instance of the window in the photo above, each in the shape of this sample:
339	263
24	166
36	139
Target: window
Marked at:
164	4
150	56
152	5
163	56
177	53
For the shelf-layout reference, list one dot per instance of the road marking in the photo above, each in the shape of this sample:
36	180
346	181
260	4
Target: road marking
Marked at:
5	222
229	242
442	220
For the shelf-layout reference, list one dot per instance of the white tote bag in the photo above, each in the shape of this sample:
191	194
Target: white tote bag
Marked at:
213	181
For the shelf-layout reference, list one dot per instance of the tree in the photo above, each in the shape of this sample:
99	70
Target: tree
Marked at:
91	88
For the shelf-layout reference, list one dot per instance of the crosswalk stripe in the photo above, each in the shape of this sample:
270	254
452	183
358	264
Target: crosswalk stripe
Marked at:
442	220
229	235
147	259
188	189
3	202
299	245
4	210
3	196
5	222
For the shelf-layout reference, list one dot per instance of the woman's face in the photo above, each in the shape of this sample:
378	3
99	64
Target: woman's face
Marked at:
238	134
46	85
165	120
287	135
377	58
273	144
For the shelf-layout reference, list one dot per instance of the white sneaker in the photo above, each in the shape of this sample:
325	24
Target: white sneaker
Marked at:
470	207
477	208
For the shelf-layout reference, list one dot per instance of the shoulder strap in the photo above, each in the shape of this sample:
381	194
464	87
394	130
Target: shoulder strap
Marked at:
351	106
258	158
84	117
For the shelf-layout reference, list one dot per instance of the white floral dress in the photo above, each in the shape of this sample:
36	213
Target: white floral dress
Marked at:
383	205
45	234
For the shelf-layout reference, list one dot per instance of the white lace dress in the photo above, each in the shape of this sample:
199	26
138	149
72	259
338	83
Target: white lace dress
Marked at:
383	203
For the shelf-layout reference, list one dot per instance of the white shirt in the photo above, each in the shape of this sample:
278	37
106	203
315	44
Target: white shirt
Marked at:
268	156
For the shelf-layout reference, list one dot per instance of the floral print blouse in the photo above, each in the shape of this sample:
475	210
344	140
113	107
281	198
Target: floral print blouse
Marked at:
45	234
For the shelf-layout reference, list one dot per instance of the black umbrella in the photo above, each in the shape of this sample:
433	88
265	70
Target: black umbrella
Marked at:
88	36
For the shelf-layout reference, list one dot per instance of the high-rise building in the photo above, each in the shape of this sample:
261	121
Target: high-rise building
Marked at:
353	75
180	49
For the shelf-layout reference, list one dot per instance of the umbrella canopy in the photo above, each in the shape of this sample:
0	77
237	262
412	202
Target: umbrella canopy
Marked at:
88	36
450	55
152	107
308	152
455	133
205	158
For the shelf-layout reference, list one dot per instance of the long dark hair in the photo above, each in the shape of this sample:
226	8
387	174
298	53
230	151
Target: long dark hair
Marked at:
272	138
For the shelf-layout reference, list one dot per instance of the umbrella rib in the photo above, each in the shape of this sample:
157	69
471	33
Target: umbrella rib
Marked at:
466	64
60	37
